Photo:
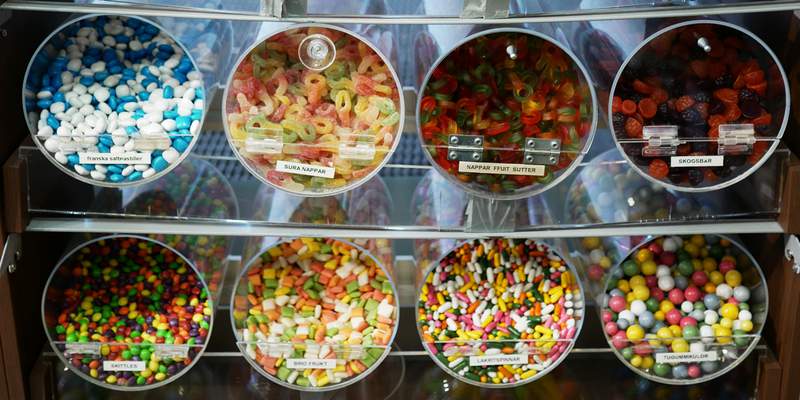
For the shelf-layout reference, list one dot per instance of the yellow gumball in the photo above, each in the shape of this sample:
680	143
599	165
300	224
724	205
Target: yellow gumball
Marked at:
591	243
729	311
605	262
649	267
665	306
641	292
637	280
723	335
643	255
746	326
659	315
692	249
634	333
697	264
624	286
676	330
698	240
629	297
647	362
636	361
716	277
665	334
709	264
733	278
726	323
680	345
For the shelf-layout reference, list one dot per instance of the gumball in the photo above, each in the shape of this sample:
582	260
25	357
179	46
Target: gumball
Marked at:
679	345
626	315
663	270
673	316
647	320
724	291
681	282
711	317
666	283
697	347
669	244
642	349
611	328
661	369
699	278
627	352
617	303
616	292
638	307
709	366
652	304
637	280
596	255
685	268
692	294
651	281
607	316
643	255
698	315
641	293
623	323
733	278
745	315
699	305
687	306
694	371
709	264
654	248
676	296
630	268
716	277
687	321
711	301
729	311
746	325
741	293
680	372
595	272
649	268
620	341
707	334
667	258
725	266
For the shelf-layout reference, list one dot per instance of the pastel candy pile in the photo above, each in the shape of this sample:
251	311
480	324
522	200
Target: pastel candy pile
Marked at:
680	295
117	85
128	296
315	299
499	297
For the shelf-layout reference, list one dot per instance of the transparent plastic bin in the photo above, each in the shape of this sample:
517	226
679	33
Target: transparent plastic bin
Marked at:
339	134
714	344
124	152
115	357
699	105
195	189
323	344
532	134
509	342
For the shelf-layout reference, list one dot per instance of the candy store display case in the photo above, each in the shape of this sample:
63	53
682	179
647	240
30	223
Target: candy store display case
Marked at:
400	280
127	312
130	135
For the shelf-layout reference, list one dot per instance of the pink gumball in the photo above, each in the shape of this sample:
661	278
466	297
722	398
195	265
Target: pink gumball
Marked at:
642	349
612	328
657	294
655	248
619	340
651	281
607	317
676	296
733	301
667	258
617	303
725	266
692	293
685	321
694	371
674	316
595	272
699	278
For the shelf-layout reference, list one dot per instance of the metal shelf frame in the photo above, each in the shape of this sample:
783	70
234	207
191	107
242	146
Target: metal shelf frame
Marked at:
276	16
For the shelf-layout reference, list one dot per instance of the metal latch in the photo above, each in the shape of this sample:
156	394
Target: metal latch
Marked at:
357	147
662	140
792	252
465	147
736	139
12	252
542	151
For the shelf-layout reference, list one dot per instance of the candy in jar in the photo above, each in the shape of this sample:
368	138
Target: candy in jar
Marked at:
113	101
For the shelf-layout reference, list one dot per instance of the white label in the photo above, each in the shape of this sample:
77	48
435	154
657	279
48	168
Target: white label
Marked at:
315	363
134	366
696	161
305	169
108	158
498	359
675	358
172	351
501	168
82	348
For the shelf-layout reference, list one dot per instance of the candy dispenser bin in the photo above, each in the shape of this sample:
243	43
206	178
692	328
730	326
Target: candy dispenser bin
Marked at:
105	123
499	312
314	314
513	138
684	310
355	119
708	115
127	312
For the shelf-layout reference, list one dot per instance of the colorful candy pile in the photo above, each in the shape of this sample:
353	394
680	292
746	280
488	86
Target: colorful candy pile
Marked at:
675	80
679	307
315	313
117	89
290	124
499	311
506	87
113	307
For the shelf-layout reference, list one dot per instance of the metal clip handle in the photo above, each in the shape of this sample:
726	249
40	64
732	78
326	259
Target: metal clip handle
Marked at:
542	151
662	140
736	139
465	147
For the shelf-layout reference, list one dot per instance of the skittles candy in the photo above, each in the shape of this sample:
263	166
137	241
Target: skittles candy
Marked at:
127	312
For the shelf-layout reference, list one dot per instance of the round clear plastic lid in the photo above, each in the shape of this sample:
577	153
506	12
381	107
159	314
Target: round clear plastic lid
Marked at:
499	312
507	113
314	314
699	105
194	189
105	122
313	110
127	312
684	310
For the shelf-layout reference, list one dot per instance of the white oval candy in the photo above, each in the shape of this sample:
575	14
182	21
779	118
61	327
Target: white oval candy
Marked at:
170	155
97	175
